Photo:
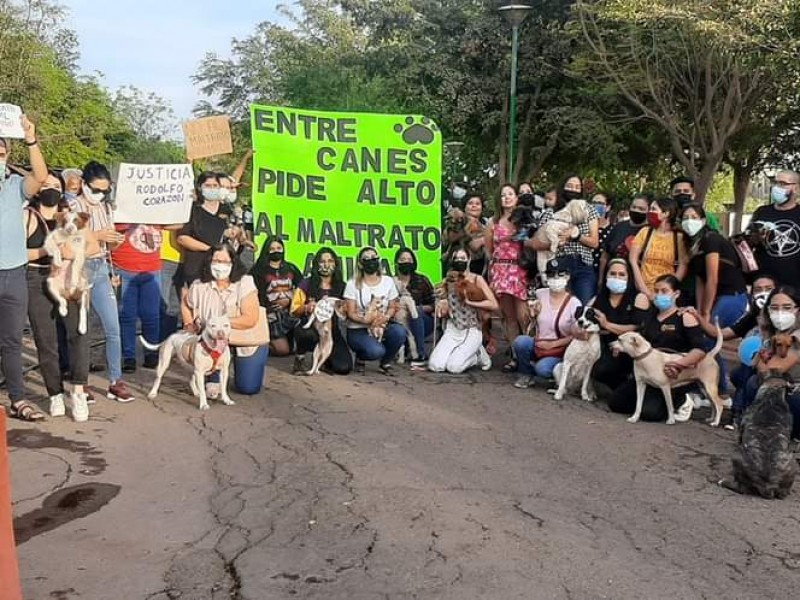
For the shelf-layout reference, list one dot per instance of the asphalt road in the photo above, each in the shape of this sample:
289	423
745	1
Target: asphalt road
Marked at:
362	487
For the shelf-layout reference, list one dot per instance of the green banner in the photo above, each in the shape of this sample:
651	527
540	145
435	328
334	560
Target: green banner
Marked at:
348	180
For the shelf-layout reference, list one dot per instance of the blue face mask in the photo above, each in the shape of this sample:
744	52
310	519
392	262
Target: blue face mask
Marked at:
600	209
616	285
780	195
664	302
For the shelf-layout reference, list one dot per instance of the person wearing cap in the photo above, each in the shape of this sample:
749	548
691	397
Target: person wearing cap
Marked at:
553	317
15	190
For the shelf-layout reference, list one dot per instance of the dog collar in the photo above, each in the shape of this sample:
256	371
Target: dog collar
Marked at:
646	353
213	353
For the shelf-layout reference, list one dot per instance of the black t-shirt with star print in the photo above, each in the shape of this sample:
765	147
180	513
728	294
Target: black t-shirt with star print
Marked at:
780	256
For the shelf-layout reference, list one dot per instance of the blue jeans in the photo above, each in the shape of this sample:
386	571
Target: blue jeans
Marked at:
104	303
421	328
249	371
793	400
170	299
729	310
367	347
739	378
582	278
141	300
526	359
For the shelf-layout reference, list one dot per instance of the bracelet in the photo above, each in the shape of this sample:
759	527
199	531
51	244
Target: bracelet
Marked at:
33	143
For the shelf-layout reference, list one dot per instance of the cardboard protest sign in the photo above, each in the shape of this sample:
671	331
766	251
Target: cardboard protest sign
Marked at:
154	194
10	125
348	180
209	136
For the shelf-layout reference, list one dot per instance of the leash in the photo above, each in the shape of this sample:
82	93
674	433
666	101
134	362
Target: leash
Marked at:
644	355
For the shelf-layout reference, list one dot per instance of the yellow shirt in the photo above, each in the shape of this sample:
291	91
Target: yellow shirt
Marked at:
169	248
659	257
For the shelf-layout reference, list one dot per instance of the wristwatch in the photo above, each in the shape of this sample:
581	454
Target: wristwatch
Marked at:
577	235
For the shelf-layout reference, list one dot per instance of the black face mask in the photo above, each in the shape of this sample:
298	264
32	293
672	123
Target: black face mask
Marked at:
275	256
527	200
637	218
459	266
49	198
370	266
683	199
570	195
405	268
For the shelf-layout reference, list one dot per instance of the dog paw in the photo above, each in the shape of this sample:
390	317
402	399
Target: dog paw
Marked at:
62	310
671	421
82	329
228	402
204	407
152	396
558	396
588	398
633	419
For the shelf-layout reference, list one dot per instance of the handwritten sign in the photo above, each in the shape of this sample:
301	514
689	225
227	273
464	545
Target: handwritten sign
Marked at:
209	136
348	180
154	194
10	125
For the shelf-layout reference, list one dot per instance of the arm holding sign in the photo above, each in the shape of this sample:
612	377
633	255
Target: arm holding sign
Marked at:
38	175
238	172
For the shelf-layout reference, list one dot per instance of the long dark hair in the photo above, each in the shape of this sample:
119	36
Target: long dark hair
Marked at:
628	296
561	201
498	209
198	184
315	279
237	271
786	290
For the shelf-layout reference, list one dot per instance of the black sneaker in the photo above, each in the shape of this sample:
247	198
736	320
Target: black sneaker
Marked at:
150	361
360	367
387	369
129	365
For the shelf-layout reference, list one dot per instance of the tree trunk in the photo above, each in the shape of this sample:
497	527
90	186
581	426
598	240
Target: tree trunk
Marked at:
704	179
742	174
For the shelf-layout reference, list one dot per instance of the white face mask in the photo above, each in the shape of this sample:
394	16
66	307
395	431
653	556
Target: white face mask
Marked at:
2	168
92	197
221	271
782	320
692	226
557	284
760	299
212	194
230	196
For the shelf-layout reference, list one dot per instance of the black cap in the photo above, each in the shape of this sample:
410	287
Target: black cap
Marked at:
556	266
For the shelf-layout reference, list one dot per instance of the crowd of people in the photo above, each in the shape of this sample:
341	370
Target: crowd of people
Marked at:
659	265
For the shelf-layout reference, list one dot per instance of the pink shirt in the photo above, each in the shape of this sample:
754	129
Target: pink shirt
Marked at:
546	321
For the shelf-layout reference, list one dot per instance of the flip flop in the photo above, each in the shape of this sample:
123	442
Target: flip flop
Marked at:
27	411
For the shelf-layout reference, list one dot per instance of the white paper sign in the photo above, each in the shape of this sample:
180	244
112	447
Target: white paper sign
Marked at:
154	194
10	125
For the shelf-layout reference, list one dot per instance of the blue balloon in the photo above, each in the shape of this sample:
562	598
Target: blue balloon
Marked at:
748	349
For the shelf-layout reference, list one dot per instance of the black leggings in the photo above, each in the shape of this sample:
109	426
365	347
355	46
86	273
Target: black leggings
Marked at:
610	370
654	407
340	361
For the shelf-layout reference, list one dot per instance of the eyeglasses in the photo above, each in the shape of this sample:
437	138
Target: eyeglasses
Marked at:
95	190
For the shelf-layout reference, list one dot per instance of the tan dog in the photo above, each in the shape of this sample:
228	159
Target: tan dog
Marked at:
67	280
648	369
573	213
322	320
205	353
374	310
782	343
406	310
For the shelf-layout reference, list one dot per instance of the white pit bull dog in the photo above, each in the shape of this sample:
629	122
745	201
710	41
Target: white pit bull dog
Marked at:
204	353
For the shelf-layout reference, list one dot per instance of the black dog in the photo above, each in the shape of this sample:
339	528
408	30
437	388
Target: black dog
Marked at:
765	465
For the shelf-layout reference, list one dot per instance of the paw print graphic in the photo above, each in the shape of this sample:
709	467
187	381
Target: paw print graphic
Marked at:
413	132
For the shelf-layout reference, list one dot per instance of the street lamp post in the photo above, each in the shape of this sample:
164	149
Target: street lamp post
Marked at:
515	14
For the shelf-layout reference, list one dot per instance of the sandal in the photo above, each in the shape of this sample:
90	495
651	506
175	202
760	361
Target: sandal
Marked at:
510	367
27	411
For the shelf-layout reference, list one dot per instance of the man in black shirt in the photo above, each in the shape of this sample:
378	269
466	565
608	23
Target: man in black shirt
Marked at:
780	253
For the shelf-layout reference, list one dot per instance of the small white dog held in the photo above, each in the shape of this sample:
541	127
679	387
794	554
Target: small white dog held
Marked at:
205	353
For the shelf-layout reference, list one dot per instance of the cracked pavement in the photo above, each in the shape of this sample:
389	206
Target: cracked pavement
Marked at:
416	486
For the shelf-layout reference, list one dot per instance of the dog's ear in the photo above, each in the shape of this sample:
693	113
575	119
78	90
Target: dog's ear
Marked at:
578	312
83	219
61	218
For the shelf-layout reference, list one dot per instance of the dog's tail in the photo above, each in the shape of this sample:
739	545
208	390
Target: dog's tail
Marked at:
718	346
148	346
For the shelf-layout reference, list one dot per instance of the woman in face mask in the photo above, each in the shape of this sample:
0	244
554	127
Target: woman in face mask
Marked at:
277	281
577	243
205	228
673	331
224	289
658	249
370	303
40	220
421	290
461	346
619	307
602	206
780	316
325	281
95	201
552	312
620	238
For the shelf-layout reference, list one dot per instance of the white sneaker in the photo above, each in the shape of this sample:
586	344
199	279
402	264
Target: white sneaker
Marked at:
684	413
698	400
57	407
212	390
80	408
484	360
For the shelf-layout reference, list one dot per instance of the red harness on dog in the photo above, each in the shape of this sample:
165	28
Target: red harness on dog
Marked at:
214	354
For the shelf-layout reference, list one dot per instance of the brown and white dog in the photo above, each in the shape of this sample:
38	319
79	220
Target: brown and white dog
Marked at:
67	280
322	320
406	310
375	309
205	353
573	213
648	369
